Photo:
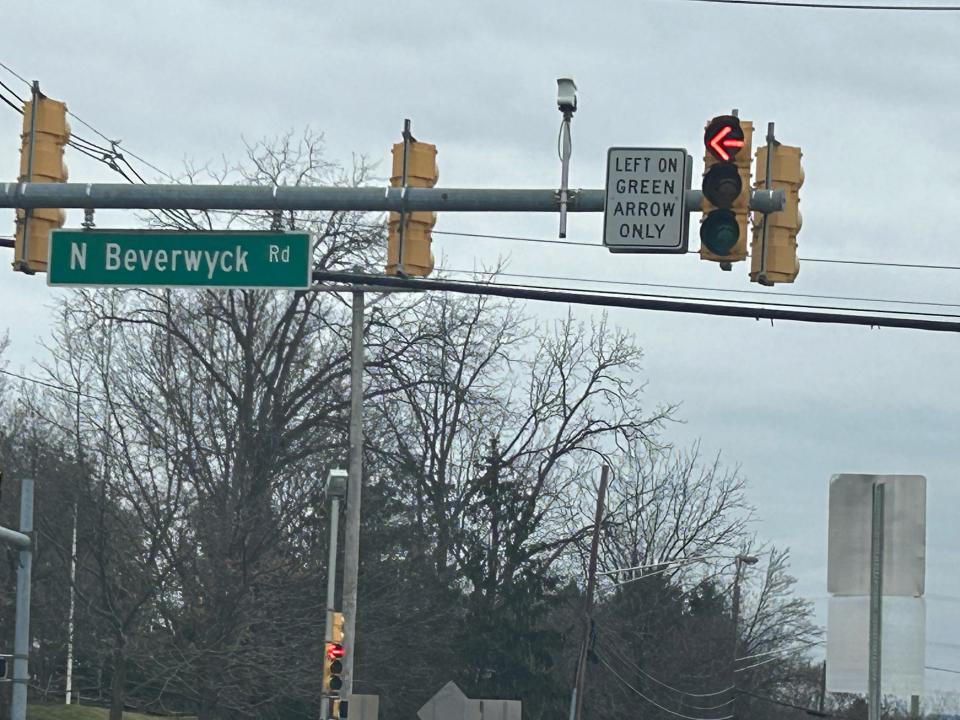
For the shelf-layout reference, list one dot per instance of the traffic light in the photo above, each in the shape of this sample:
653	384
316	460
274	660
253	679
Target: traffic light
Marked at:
775	261
726	190
6	667
414	245
40	161
333	653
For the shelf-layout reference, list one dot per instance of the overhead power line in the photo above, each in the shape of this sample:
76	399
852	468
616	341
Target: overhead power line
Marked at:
661	683
15	74
651	700
757	312
700	288
53	386
774	701
942	669
783	651
834	6
598	246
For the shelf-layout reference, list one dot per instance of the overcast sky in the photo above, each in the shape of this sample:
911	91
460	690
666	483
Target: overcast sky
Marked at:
871	97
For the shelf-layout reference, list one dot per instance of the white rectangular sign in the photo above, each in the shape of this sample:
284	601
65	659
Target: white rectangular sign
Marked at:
904	530
643	210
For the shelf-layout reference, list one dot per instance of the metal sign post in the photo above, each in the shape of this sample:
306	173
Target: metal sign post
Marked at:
876	603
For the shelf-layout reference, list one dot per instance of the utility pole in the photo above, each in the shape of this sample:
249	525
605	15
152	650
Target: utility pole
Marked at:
822	696
740	560
70	618
351	560
576	702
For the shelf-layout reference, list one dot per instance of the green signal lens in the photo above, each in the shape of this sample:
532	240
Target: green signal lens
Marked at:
719	232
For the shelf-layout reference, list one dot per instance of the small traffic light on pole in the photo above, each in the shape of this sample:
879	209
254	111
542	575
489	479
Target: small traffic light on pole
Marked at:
44	135
333	652
726	190
409	233
773	253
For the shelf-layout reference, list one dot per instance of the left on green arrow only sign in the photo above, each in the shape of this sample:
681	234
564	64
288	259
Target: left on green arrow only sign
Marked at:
170	258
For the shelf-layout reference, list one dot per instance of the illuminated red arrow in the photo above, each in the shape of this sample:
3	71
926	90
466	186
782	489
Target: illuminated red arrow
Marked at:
720	141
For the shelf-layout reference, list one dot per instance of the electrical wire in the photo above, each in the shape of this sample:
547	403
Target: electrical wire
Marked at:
834	6
645	576
942	669
53	386
16	74
517	238
837	261
783	651
348	280
109	156
650	700
731	301
10	103
630	283
650	677
12	92
783	703
676	561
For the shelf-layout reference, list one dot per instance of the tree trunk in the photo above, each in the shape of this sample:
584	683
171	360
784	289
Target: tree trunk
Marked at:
119	680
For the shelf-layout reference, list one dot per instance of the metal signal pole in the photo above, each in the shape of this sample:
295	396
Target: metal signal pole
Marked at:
351	560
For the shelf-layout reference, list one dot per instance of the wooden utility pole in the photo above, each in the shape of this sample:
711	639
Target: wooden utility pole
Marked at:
576	705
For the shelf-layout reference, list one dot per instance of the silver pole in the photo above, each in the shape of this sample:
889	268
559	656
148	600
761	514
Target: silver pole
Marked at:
566	151
402	228
251	197
21	639
876	604
73	582
331	587
768	182
351	560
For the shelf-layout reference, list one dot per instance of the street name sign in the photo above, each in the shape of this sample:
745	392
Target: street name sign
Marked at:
170	258
643	208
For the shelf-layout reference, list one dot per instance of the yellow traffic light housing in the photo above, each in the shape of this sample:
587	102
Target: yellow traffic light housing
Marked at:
726	190
408	246
774	246
44	135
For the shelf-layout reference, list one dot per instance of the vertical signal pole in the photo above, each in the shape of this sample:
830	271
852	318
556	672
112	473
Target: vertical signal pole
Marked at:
351	560
876	604
771	141
407	137
21	638
335	489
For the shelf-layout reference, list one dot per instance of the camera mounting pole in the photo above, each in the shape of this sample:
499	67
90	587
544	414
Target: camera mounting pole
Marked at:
567	103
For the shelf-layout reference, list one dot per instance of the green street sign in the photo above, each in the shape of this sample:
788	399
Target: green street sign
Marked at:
171	258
